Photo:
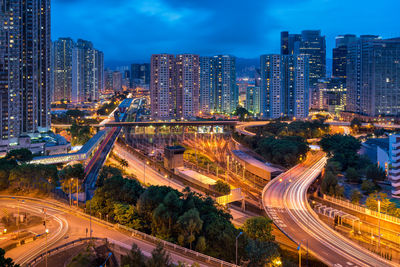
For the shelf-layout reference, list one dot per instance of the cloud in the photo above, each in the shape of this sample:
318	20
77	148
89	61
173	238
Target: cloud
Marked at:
134	29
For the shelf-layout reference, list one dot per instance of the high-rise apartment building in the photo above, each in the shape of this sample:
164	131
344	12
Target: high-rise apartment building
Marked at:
25	64
175	86
62	68
373	76
87	72
163	86
218	90
117	81
332	96
187	68
284	86
253	100
312	44
206	84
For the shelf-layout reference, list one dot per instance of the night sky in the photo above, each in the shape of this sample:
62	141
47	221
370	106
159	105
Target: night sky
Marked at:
132	30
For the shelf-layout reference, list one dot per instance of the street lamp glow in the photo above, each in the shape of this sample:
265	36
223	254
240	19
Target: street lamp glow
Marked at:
47	231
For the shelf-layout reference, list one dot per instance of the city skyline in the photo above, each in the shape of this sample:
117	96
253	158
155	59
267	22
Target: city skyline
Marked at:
246	31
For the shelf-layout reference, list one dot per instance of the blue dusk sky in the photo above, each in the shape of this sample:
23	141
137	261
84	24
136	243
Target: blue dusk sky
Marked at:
132	30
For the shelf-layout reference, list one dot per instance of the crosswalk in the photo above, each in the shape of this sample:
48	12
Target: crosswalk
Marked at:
272	212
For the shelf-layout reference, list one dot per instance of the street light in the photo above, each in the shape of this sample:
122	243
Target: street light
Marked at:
144	171
237	246
379	224
47	232
109	255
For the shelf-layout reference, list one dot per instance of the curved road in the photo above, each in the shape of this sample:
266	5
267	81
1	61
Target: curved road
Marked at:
285	201
73	227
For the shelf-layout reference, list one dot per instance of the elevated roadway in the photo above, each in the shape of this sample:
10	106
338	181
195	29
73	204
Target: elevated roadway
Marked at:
286	204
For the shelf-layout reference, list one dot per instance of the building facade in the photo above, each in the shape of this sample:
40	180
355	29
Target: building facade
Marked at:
394	173
62	69
187	68
312	44
87	72
253	100
140	74
373	79
218	89
25	68
284	86
339	55
162	86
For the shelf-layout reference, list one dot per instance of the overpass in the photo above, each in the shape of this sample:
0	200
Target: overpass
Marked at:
96	163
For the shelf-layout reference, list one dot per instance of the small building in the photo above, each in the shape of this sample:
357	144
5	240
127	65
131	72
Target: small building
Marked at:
377	150
173	157
263	170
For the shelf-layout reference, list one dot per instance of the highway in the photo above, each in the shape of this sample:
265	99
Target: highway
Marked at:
73	226
286	204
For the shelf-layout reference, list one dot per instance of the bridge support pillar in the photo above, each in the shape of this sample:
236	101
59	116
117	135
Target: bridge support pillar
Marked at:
243	204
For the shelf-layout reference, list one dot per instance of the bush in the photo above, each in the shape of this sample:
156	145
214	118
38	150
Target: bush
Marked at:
222	187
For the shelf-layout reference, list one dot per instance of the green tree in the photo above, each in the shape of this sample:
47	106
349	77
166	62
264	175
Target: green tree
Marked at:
241	112
386	206
123	163
259	228
368	187
201	244
330	185
21	154
355	124
6	262
375	173
355	196
222	187
333	167
190	224
134	258
261	253
352	175
159	258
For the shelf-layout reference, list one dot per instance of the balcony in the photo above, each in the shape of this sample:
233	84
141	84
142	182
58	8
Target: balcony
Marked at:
394	172
395	146
396	158
396	164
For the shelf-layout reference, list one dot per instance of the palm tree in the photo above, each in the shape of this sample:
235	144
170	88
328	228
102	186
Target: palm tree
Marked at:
123	163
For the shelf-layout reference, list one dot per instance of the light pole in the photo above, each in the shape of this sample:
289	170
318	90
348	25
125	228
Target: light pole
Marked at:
237	246
379	224
299	249
144	171
77	193
109	255
47	232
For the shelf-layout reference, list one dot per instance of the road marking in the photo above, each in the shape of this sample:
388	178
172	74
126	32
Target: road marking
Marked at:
350	263
338	265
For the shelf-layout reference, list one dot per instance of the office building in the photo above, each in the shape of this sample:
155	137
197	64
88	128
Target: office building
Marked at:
62	69
373	76
339	55
25	63
284	86
218	90
332	96
140	74
253	100
187	71
163	86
